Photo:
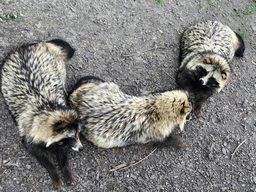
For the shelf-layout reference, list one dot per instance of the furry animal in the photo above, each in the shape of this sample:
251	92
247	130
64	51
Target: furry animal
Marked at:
110	118
206	49
33	86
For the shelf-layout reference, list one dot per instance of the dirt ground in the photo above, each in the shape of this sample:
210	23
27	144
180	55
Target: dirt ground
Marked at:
135	43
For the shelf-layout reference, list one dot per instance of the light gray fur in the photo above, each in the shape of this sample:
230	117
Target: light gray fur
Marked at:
209	36
110	118
209	43
33	86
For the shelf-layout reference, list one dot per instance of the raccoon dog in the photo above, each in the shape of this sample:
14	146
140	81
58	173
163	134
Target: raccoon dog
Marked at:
33	86
206	49
110	118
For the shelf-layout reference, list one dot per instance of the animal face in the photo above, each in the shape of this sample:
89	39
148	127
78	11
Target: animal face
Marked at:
56	127
211	76
174	106
66	134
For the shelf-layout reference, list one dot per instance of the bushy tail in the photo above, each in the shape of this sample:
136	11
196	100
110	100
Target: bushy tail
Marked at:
241	47
65	46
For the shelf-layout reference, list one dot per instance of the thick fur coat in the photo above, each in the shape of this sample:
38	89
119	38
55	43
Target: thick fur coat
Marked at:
33	86
110	118
206	49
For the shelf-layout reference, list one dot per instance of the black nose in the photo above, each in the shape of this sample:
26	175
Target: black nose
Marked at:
81	148
201	81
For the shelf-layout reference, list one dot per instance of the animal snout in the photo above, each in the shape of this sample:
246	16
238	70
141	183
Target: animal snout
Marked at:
75	143
201	81
78	147
81	148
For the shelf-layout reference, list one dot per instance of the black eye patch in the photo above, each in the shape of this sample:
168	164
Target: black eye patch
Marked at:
212	83
201	72
72	141
62	142
60	130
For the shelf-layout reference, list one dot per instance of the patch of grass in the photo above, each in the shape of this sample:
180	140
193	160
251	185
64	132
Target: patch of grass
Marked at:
201	5
11	15
239	11
253	41
243	33
211	3
249	9
159	1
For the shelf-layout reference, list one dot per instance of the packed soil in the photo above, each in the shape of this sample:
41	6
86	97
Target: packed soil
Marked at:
135	43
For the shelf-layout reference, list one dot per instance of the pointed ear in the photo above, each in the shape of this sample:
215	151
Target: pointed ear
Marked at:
49	142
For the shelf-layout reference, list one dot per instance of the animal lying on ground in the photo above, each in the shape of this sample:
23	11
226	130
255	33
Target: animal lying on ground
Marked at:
33	86
206	49
110	118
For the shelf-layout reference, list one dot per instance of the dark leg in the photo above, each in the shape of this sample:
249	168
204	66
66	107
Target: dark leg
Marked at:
200	97
44	157
176	141
47	162
197	109
173	140
62	157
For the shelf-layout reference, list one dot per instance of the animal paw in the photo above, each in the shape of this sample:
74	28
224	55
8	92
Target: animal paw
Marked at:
198	113
58	184
177	141
71	179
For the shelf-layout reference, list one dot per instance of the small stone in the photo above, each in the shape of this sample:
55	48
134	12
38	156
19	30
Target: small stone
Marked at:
210	156
224	151
133	176
254	180
28	166
254	28
38	25
240	179
153	177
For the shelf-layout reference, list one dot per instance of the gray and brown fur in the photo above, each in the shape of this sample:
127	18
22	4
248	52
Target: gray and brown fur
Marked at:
206	49
110	118
33	86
